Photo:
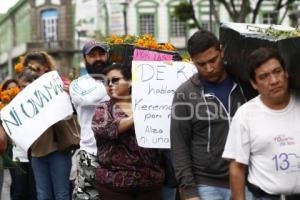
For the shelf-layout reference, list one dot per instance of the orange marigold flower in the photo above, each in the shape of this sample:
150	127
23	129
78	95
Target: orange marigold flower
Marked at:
118	41
113	37
148	37
19	67
6	92
168	46
14	91
140	42
5	98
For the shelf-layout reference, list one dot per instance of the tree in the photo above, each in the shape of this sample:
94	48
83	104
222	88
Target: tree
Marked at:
237	10
185	12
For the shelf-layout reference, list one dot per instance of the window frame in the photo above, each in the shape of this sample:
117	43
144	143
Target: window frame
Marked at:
50	25
143	5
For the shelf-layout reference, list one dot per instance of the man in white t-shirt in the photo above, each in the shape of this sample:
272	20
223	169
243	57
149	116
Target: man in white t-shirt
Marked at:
86	93
264	136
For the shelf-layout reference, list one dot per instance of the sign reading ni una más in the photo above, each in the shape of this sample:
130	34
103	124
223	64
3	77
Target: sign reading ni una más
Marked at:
34	109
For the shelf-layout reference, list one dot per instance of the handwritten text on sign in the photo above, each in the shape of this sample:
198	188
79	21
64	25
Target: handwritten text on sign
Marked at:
146	55
37	107
153	87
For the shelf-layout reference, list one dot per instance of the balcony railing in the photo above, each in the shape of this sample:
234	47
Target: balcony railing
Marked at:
52	46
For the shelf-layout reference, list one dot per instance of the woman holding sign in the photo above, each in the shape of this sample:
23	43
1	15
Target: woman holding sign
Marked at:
22	180
51	167
125	171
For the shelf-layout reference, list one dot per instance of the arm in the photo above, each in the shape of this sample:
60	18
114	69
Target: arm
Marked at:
237	151
125	124
194	198
181	136
87	92
106	126
66	84
103	124
3	140
237	173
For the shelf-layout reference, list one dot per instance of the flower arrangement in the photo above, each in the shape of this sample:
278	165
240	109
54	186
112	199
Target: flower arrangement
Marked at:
19	67
7	95
144	41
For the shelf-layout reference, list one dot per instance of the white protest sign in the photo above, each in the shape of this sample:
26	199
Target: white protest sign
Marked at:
34	109
153	86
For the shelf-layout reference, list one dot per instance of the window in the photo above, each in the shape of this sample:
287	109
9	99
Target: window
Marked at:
177	27
205	15
206	25
57	2
147	24
49	25
269	17
147	13
39	2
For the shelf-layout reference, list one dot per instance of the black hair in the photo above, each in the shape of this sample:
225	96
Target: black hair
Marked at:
125	70
259	57
201	41
7	82
41	57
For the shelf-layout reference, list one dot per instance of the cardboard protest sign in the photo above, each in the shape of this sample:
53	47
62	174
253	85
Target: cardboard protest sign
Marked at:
240	39
145	55
125	53
153	87
34	109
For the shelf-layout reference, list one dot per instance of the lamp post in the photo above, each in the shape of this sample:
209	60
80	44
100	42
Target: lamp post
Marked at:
210	16
125	6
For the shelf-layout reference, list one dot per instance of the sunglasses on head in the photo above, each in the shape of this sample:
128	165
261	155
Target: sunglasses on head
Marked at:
113	81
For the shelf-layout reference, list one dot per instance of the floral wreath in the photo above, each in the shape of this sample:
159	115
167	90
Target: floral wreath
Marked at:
7	95
144	41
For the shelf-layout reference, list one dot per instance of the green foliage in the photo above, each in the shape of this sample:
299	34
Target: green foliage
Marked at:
99	36
274	33
184	11
185	55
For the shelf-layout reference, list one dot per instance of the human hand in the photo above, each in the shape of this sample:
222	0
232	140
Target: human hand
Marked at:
66	84
3	140
194	198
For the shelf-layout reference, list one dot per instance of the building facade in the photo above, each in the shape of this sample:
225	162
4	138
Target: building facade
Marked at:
157	17
61	27
37	25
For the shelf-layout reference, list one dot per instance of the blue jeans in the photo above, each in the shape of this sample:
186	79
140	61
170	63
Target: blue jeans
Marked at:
218	193
51	174
214	193
168	193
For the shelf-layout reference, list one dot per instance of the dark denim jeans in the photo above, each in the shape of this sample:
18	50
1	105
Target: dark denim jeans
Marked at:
51	174
168	193
23	184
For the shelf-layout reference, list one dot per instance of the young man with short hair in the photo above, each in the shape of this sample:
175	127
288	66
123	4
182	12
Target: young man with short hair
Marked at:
202	110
